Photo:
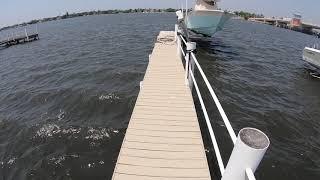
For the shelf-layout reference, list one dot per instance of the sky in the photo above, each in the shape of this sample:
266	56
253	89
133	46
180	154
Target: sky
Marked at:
18	11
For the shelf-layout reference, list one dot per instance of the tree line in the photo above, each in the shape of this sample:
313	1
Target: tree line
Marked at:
247	15
89	13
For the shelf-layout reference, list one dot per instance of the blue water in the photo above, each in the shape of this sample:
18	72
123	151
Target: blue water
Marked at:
66	99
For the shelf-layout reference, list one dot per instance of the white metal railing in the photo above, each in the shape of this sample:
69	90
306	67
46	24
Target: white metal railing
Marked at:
238	167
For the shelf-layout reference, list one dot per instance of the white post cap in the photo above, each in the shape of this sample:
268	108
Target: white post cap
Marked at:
179	15
191	46
248	151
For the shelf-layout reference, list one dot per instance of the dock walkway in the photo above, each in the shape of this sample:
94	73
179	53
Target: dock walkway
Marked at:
163	140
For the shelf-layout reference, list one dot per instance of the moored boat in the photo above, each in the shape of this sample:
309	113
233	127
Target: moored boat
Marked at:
206	18
312	56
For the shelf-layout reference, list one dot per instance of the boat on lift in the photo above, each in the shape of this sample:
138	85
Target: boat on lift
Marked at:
206	18
312	56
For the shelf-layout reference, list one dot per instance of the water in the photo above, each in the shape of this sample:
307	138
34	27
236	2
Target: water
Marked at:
66	99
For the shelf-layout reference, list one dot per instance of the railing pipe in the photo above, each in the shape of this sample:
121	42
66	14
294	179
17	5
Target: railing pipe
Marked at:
206	117
216	100
184	41
182	51
249	174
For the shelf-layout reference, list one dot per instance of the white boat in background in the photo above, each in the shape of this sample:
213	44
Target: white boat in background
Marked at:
312	56
206	18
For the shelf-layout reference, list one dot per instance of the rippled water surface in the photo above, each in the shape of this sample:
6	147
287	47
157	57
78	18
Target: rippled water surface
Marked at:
66	99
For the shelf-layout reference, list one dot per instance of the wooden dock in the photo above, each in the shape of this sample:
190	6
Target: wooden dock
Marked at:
163	140
19	40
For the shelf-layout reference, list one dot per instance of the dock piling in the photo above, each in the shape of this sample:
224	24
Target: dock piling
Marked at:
248	152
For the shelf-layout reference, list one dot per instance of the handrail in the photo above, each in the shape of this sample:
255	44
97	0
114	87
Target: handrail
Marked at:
204	110
205	113
182	51
188	56
184	41
215	98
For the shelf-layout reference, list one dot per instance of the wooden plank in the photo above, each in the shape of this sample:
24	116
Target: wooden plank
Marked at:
164	122
163	163
162	172
118	176
163	140
165	134
162	155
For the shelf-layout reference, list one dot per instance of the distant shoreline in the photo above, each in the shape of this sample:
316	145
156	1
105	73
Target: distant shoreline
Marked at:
89	13
244	15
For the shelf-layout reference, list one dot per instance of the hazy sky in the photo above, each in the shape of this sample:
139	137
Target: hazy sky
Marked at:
17	11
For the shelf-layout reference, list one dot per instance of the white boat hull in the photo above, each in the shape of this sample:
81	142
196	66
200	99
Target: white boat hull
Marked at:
312	56
207	22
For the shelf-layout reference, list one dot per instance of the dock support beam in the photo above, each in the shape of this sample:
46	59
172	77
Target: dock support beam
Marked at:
246	155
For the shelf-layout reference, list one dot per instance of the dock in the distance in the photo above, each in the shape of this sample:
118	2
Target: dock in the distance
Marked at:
19	39
163	140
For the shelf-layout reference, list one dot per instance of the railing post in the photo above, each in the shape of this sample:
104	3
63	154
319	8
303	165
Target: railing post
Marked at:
25	31
179	45
176	28
247	153
141	85
191	46
187	68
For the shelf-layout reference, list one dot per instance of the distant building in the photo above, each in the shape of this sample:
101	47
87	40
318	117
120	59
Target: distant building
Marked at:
296	21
